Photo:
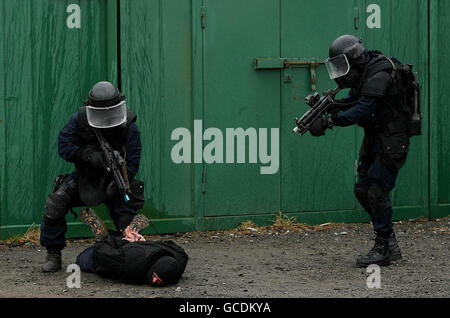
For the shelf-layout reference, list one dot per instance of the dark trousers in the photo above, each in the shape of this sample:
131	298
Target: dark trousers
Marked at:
53	232
373	168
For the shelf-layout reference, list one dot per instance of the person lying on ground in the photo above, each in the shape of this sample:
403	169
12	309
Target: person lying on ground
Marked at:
128	257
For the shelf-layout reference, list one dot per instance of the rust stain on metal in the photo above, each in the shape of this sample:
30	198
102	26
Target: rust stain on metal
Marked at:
309	63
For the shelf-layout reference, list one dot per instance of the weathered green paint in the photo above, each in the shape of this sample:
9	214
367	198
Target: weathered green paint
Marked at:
111	41
262	63
314	168
48	70
157	80
439	142
237	96
2	114
175	70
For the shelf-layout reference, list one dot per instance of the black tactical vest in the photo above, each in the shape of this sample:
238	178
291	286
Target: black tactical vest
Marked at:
92	182
379	81
390	124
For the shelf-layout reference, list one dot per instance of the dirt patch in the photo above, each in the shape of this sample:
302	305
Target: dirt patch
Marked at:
286	259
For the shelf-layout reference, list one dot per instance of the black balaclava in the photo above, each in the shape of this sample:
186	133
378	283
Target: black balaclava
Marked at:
356	54
166	268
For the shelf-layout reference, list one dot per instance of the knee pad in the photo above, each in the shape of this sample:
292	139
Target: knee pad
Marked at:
379	200
56	206
361	193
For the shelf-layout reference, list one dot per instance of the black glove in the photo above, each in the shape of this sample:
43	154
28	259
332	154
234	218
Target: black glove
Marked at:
319	126
89	155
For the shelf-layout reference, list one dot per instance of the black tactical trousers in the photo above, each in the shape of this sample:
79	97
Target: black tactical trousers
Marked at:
53	231
373	171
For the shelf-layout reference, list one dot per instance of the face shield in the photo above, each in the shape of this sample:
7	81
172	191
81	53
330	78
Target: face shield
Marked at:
337	66
107	117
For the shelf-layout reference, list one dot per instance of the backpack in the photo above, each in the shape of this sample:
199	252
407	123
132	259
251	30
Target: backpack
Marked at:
407	84
405	90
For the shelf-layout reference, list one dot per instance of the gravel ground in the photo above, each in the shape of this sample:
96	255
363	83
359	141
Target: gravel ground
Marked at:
283	261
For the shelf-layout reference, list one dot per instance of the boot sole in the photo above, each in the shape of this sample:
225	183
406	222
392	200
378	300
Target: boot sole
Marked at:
52	271
396	257
382	263
88	217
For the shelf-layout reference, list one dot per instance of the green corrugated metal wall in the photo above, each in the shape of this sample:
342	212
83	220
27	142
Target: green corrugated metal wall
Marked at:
175	68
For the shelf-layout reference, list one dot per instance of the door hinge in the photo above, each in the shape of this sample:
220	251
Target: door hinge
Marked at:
203	17
356	18
204	181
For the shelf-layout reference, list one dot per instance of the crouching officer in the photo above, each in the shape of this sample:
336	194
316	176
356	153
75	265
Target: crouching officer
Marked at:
91	183
377	108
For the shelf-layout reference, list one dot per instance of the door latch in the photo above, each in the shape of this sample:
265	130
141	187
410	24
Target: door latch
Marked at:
261	63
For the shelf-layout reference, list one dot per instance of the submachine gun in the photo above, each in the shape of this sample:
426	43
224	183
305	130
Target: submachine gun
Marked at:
320	105
116	165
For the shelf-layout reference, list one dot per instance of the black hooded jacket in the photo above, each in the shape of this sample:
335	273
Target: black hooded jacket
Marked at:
129	262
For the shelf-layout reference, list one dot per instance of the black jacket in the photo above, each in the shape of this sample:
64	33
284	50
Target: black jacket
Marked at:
69	142
129	262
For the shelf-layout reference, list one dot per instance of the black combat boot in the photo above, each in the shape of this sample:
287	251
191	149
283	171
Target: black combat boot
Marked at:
52	262
379	254
394	249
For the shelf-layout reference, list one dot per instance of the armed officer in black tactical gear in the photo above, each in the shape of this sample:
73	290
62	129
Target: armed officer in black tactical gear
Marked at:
370	76
105	110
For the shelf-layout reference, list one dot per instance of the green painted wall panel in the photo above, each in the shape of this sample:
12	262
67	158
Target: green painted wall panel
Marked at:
156	76
314	168
2	117
237	96
439	112
48	71
19	146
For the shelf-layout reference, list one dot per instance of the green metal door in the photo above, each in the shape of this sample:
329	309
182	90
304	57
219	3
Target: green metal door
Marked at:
439	111
397	28
235	96
317	173
157	63
47	71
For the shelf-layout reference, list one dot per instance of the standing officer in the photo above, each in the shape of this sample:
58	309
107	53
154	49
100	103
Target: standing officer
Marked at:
371	77
90	184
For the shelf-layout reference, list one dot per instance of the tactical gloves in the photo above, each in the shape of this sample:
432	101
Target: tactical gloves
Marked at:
319	126
89	155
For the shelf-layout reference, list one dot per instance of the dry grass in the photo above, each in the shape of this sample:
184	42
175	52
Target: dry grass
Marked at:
282	223
31	236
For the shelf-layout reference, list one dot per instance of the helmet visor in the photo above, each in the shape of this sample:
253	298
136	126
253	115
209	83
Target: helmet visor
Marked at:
107	117
337	66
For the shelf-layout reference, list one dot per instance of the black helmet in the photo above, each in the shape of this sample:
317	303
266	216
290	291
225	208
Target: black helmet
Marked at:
105	107
104	94
347	58
350	46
